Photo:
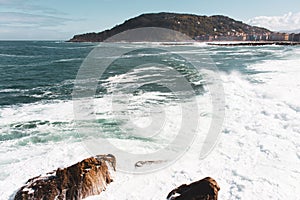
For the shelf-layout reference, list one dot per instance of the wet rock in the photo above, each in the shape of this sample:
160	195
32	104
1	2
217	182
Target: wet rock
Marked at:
205	189
86	178
148	162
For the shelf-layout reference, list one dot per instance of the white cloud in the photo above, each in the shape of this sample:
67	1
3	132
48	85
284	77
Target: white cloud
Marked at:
32	19
286	22
29	6
29	20
4	2
17	25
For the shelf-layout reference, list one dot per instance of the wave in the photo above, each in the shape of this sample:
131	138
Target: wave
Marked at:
66	48
10	90
17	56
248	148
261	128
67	60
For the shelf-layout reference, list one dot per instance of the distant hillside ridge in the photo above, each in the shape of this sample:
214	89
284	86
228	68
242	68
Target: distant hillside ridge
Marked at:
197	27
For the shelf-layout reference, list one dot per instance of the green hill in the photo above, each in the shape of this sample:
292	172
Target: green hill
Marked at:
191	25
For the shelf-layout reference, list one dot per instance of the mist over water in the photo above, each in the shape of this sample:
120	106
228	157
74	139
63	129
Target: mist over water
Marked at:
257	155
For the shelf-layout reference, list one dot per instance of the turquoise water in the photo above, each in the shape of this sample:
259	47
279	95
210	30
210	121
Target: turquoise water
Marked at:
35	73
40	71
37	80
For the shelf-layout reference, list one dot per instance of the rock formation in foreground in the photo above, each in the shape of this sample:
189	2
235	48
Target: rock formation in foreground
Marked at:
205	189
86	178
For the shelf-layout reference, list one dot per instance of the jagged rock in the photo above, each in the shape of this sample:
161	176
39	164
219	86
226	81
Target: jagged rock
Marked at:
111	159
205	189
86	178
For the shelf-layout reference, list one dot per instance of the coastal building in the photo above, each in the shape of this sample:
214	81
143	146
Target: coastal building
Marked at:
265	37
297	37
241	36
277	37
294	37
286	37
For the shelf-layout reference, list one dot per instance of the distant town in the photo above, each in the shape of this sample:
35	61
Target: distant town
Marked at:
241	36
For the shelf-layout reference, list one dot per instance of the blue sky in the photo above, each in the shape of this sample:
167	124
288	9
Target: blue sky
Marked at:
61	19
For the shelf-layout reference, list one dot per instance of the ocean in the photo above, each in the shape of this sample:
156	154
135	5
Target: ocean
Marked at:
63	102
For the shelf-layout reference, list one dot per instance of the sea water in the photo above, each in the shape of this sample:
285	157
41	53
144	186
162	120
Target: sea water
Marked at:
256	155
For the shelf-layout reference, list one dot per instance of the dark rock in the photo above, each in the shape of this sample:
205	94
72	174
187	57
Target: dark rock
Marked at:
148	162
86	178
111	159
205	189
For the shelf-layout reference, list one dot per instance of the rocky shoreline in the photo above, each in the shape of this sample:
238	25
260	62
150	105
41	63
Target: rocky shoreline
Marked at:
92	176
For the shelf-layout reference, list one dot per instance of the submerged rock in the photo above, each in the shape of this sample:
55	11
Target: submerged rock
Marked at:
205	189
148	162
86	178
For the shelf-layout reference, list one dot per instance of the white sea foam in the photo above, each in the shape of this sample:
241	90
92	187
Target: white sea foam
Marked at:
10	90
257	155
68	60
17	56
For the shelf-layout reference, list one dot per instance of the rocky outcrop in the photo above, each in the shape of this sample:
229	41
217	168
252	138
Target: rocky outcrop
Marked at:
205	189
86	178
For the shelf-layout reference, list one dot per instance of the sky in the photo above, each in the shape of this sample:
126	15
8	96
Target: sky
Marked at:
61	19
